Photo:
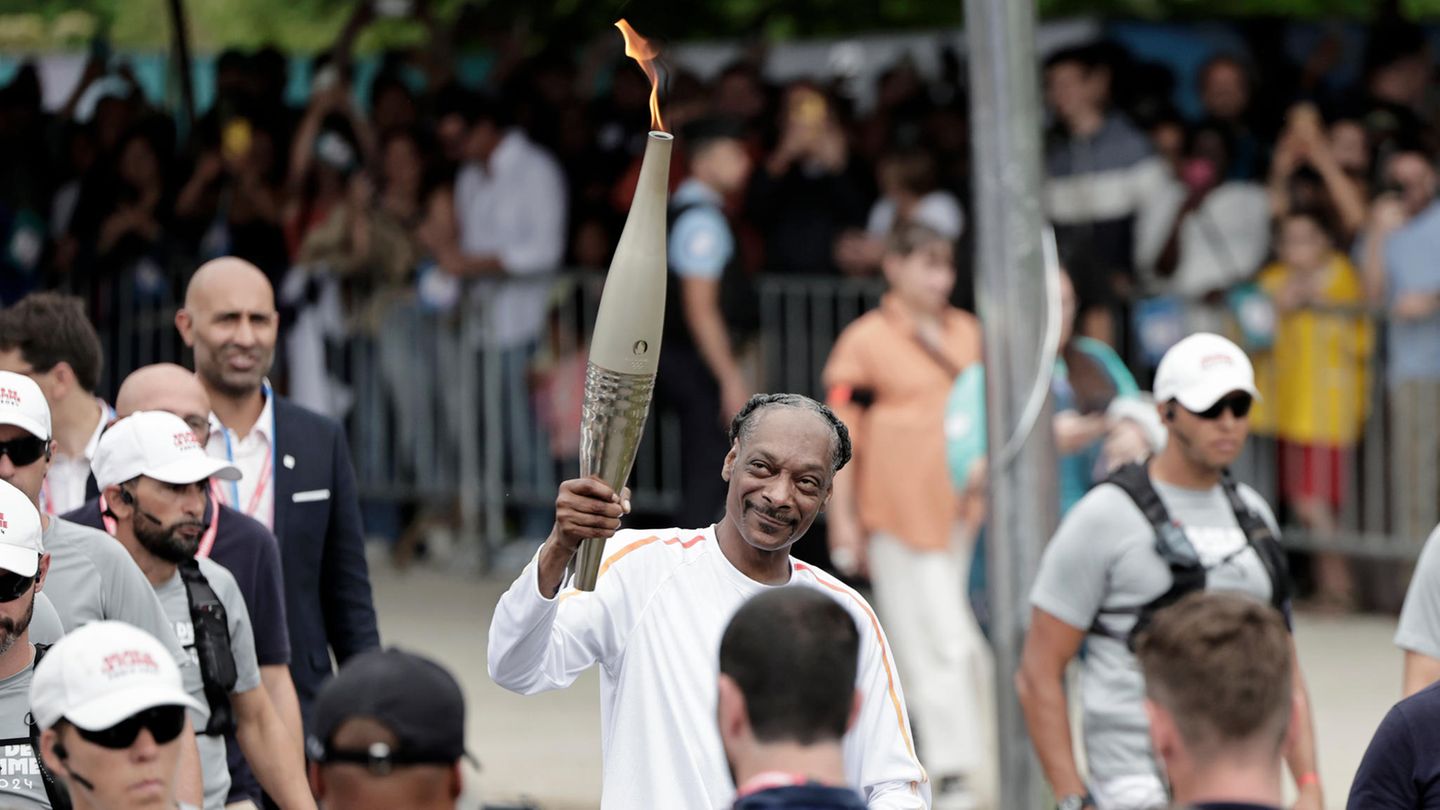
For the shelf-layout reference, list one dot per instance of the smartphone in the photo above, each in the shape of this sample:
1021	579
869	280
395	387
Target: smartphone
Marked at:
808	107
235	139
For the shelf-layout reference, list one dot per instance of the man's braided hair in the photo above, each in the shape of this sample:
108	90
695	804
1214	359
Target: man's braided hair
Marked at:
744	422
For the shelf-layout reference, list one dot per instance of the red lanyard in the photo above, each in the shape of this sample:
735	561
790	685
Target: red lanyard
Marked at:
262	483
207	540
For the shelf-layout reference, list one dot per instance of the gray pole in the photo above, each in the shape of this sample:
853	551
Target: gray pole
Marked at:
1013	297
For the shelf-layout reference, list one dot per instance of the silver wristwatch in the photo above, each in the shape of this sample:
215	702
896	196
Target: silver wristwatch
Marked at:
1075	801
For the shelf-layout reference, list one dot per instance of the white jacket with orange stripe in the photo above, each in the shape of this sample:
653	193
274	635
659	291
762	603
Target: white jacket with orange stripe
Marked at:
653	623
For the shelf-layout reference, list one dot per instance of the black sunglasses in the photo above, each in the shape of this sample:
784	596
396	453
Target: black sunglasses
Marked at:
1238	405
164	722
13	586
24	451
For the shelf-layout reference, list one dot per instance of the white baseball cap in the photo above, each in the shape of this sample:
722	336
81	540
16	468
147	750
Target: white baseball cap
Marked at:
158	445
20	544
23	405
102	674
1200	370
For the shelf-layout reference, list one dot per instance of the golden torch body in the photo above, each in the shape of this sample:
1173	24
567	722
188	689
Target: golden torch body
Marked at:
625	348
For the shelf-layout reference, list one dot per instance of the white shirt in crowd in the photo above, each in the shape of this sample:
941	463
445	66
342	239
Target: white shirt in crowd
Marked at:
1222	243
253	454
513	208
653	624
65	482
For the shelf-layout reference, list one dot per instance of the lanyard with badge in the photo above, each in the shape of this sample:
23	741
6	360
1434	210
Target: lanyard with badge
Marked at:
267	466
47	501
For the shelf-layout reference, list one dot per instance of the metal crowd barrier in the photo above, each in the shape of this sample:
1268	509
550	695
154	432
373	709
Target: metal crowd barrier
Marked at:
441	413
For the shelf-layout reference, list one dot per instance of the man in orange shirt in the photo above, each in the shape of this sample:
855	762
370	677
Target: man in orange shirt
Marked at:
896	513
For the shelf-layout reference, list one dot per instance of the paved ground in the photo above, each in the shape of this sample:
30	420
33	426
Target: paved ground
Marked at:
547	748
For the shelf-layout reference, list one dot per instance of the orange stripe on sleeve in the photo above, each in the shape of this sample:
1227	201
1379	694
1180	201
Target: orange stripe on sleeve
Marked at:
885	659
637	544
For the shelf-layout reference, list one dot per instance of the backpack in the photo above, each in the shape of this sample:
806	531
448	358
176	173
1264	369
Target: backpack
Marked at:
1187	572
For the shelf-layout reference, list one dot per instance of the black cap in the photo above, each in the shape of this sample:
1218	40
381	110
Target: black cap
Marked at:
415	698
704	130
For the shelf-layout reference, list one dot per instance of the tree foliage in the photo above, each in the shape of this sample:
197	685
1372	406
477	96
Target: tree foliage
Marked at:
307	26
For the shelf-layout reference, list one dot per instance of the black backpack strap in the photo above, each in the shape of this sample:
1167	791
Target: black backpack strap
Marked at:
212	646
1263	540
54	791
1187	574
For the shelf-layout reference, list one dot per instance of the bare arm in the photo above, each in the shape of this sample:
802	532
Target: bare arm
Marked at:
189	783
1049	647
270	750
1420	671
281	690
1349	200
701	300
1300	755
1386	216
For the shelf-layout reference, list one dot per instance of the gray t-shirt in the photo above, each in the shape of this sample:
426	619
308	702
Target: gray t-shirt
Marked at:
1103	556
1419	629
45	624
21	786
93	578
213	766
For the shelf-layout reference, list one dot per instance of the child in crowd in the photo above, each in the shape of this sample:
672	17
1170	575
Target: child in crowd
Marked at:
1314	381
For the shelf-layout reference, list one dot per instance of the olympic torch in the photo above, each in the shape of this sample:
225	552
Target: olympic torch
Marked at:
625	348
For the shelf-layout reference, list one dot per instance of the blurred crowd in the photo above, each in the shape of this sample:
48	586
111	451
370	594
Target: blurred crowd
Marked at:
1286	214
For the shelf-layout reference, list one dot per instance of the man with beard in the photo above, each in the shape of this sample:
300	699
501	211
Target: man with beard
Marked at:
239	543
297	479
23	564
91	578
660	606
155	478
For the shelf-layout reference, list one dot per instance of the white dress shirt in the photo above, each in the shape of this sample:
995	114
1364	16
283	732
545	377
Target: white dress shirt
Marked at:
64	490
253	455
513	208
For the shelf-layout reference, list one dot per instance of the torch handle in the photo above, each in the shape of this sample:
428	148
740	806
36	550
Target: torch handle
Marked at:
611	427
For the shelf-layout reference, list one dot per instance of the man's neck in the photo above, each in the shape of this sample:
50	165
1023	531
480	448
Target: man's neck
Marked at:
18	657
1086	123
765	567
237	414
75	421
1171	467
822	762
1235	781
156	570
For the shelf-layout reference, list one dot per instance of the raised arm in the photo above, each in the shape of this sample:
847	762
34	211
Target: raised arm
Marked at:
535	646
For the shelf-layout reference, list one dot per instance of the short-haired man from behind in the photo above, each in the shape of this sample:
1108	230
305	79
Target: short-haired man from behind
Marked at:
787	696
1220	699
48	337
111	711
389	732
155	479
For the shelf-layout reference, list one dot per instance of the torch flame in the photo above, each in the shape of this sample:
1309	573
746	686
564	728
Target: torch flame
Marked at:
640	49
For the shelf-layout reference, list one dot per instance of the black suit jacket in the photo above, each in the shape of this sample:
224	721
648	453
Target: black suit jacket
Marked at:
322	548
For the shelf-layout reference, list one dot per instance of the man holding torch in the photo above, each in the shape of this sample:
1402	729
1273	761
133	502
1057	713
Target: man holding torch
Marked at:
662	600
